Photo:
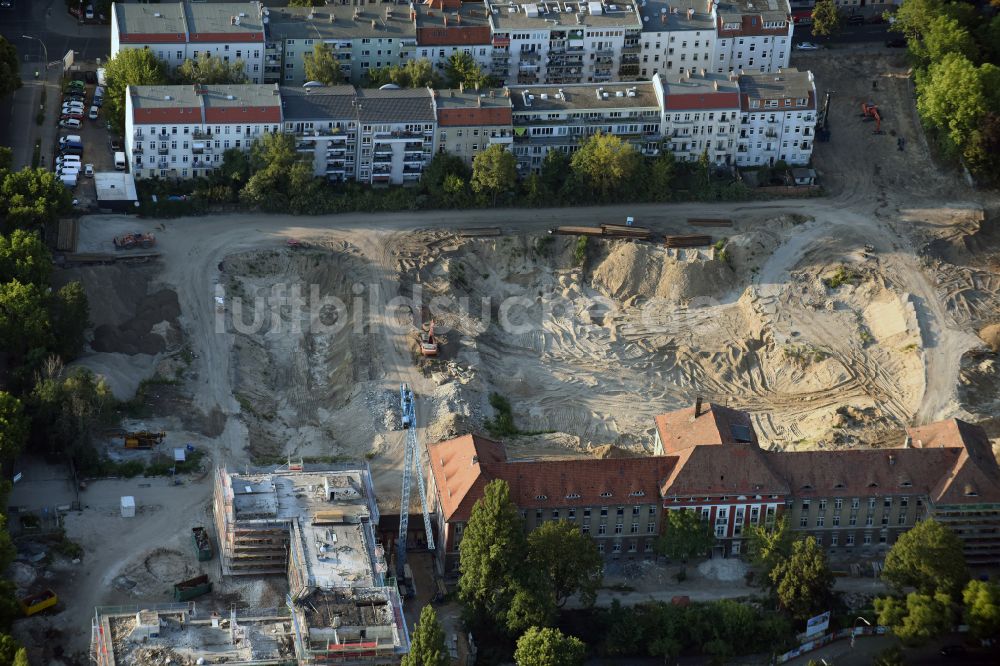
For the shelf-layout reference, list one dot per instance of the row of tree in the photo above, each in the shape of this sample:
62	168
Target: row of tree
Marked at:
955	48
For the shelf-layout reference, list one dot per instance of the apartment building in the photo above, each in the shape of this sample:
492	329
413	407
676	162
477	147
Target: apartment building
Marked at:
470	122
615	501
677	37
707	459
324	122
558	117
701	112
175	32
447	27
564	42
361	37
752	35
778	118
182	131
397	135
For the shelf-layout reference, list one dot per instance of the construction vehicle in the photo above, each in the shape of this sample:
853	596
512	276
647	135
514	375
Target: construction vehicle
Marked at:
428	344
870	111
142	439
878	121
191	588
412	466
202	543
36	603
134	240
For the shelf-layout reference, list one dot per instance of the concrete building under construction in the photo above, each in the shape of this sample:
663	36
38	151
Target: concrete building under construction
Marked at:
316	527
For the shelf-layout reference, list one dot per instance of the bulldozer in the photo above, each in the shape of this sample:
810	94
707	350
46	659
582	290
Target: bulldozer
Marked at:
142	439
134	240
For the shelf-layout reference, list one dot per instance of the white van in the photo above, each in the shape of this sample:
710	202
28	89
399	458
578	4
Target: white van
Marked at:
68	180
71	138
120	161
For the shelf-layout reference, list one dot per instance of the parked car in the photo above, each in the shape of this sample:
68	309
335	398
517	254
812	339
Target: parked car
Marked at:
74	97
67	159
70	123
88	170
89	13
98	102
807	46
70	138
72	106
116	145
99	91
93	113
71	115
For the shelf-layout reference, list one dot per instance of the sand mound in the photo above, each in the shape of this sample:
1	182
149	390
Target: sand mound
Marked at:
991	336
648	271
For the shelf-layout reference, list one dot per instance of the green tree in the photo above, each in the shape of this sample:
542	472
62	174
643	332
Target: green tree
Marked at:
10	68
30	198
13	429
531	605
24	257
65	407
662	172
129	67
548	647
554	172
983	149
918	619
982	608
803	581
494	171
9	649
208	70
21	658
606	163
913	17
770	545
953	97
461	70
568	559
427	647
6	159
235	169
271	158
705	166
24	320
439	169
412	74
946	35
322	66
492	553
826	20
928	558
70	317
306	3
685	536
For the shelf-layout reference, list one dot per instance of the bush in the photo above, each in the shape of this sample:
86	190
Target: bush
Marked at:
580	250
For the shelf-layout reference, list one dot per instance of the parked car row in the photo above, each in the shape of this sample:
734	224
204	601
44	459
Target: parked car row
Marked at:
74	104
69	163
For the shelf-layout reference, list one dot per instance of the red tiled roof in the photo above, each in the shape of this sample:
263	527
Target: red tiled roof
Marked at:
167	115
453	35
974	477
714	425
739	469
457	467
152	38
474	116
718	100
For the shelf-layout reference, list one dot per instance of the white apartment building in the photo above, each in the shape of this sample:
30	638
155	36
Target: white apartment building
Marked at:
752	35
564	42
324	122
559	117
182	131
778	118
701	111
179	31
677	37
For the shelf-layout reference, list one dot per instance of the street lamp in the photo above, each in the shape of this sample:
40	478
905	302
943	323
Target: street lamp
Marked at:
854	629
44	48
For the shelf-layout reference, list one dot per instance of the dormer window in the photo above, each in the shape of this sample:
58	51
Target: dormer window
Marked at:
807	487
573	496
873	485
607	493
906	484
839	486
637	493
541	497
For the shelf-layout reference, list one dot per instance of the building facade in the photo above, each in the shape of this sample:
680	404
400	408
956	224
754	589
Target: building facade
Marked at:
707	460
175	32
751	37
701	112
558	117
778	118
470	122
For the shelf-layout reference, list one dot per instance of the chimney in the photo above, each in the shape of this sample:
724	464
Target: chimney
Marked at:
697	407
374	25
907	442
892	459
702	72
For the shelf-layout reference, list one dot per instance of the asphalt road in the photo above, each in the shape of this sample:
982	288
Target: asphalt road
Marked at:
849	34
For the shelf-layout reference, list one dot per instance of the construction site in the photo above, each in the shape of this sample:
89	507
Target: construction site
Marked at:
834	321
312	526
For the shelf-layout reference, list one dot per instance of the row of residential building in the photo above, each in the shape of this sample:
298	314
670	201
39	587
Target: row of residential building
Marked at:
516	41
389	136
854	502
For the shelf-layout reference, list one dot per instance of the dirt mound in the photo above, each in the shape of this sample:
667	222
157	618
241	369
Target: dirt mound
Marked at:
649	271
991	336
144	333
608	451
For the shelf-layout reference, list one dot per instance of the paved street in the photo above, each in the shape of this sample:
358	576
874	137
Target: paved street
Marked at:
49	22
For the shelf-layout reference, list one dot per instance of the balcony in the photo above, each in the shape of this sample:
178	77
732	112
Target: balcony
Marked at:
631	49
530	56
201	134
400	135
137	149
163	151
162	164
163	137
527	77
608	53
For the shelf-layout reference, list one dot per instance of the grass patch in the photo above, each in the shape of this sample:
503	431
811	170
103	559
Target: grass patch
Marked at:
67	547
137	407
721	253
909	348
803	354
843	275
502	425
580	250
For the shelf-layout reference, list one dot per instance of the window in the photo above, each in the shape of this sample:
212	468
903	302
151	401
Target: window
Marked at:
834	539
901	520
635	510
822	505
871	502
600	547
854	503
853	521
850	540
621	511
616	547
904	502
618	528
586	528
635	528
888	502
538	514
803	521
838	503
571	514
819	521
650	528
555	514
632	546
819	539
602	529
586	512
604	510
652	509
836	520
868	539
868	520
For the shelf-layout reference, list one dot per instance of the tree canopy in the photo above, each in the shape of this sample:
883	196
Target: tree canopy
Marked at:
129	67
918	619
606	163
568	559
10	68
427	645
982	608
321	65
685	536
803	581
494	171
13	429
207	69
548	647
31	198
24	257
927	557
411	74
768	546
461	69
826	20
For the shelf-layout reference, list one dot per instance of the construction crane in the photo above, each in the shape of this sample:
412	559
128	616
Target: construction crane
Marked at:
411	464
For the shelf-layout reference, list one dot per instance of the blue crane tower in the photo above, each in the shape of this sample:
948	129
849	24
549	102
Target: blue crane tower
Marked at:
411	465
